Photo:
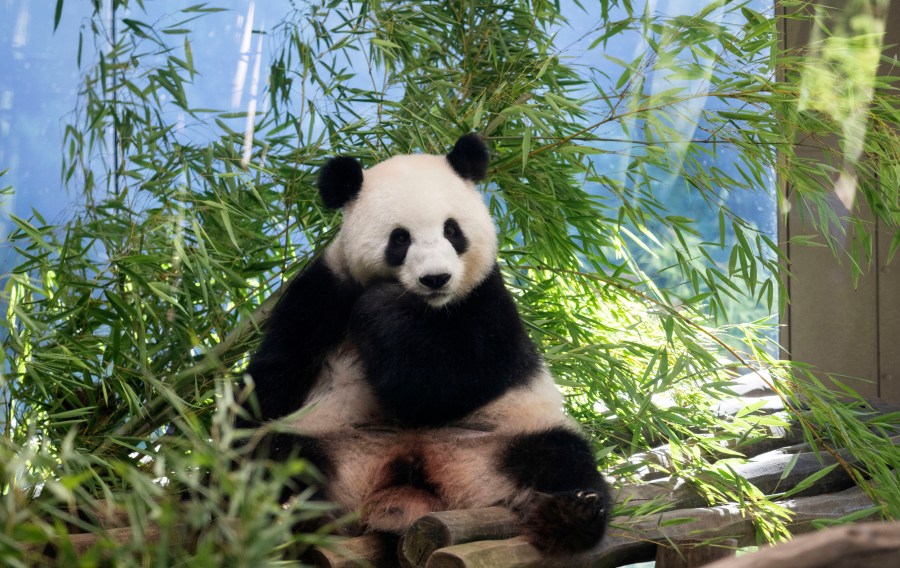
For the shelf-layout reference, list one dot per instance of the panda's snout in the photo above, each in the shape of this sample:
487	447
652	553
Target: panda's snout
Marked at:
435	281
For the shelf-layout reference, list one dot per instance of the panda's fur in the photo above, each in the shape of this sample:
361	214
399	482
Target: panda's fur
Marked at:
420	388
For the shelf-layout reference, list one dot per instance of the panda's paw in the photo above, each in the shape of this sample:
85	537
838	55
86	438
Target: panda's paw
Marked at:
382	291
567	522
383	301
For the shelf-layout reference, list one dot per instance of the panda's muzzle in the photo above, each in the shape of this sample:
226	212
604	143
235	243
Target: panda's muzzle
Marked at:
435	281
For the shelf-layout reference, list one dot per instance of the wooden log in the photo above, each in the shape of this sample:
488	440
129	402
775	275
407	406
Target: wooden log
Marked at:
511	553
807	510
120	535
439	530
873	545
692	553
669	491
753	384
370	551
724	522
731	406
776	437
103	513
81	543
766	471
656	462
635	540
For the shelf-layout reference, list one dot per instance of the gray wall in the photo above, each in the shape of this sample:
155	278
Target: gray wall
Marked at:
839	328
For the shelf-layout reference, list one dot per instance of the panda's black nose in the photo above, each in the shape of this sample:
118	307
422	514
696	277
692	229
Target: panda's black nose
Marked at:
435	281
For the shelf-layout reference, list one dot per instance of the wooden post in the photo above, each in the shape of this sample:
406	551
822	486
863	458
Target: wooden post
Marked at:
693	553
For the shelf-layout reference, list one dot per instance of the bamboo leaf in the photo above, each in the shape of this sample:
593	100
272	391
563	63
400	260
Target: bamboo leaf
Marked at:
57	14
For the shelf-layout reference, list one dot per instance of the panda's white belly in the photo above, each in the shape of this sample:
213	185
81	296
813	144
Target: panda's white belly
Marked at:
395	475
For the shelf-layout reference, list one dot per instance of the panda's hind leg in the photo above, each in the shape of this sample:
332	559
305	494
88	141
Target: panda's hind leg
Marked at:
569	506
281	446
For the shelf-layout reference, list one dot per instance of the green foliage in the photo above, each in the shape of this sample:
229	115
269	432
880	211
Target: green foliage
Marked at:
127	324
221	515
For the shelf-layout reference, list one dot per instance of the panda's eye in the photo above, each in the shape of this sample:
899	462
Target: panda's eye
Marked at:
400	237
454	234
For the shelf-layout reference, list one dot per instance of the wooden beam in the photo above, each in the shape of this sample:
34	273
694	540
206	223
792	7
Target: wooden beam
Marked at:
873	545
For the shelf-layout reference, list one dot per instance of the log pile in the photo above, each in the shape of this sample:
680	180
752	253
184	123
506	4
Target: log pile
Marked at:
111	524
482	538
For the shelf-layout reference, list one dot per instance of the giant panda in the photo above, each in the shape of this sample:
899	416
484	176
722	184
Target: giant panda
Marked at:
418	386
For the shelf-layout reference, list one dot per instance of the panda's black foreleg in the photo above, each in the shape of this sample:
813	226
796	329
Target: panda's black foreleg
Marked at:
570	507
308	322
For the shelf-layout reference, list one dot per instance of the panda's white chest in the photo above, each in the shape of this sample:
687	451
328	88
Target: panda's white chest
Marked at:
341	399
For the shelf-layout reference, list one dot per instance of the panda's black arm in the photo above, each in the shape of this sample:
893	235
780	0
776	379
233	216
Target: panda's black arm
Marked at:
570	508
430	366
308	322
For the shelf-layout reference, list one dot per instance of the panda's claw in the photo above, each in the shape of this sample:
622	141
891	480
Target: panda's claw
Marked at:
566	522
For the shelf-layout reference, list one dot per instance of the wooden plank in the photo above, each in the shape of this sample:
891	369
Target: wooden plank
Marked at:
821	288
873	545
849	349
889	274
635	540
888	317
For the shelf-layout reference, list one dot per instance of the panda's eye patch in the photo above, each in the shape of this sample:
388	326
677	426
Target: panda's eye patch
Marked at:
454	233
400	237
398	244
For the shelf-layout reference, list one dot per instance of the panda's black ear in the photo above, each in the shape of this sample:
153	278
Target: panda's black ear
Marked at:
469	157
340	179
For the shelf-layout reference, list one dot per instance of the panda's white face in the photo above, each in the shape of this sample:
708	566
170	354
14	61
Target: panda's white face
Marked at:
415	220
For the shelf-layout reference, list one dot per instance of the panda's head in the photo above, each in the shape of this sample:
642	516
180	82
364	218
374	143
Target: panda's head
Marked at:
417	219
